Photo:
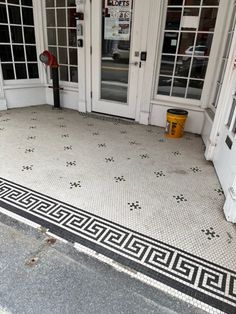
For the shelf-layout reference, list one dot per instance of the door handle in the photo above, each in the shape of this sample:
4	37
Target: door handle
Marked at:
134	63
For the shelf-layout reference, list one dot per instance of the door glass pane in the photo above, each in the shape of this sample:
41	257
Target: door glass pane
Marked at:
18	52
61	37
33	70
51	17
186	43
29	35
5	53
74	74
73	56
3	14
195	89
4	34
208	19
52	36
16	34
116	37
27	2
199	67
31	53
61	17
170	42
175	2
167	65
179	87
7	71
21	71
192	2
164	85
63	55
211	2
173	18
28	17
14	14
71	17
63	73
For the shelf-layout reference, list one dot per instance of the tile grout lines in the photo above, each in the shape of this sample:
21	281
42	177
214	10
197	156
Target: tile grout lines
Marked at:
198	278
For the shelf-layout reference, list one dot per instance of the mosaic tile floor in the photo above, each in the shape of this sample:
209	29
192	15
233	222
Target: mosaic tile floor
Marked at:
123	190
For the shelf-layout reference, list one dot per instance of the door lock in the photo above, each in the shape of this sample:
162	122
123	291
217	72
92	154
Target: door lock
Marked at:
134	63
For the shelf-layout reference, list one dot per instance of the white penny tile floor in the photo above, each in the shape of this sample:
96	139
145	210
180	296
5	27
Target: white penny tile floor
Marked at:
123	190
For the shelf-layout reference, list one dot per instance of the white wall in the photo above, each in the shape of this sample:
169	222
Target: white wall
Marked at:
68	98
206	130
23	97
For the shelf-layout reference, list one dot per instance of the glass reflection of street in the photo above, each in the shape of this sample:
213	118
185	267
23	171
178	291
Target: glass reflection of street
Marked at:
115	70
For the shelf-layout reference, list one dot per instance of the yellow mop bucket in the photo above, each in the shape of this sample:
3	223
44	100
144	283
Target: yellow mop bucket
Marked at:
175	120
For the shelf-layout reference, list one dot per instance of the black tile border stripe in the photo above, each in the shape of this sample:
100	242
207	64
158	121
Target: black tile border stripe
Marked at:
169	265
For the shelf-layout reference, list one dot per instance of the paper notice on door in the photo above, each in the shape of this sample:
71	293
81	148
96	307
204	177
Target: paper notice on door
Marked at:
117	20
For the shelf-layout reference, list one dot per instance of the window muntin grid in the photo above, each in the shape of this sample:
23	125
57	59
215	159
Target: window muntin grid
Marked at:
17	40
61	34
186	48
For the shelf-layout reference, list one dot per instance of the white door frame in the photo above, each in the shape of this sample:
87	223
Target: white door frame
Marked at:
88	46
222	107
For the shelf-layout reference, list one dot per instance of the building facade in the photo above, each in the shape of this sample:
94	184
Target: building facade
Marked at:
132	59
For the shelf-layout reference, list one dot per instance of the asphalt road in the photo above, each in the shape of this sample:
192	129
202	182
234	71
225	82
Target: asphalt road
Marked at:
41	275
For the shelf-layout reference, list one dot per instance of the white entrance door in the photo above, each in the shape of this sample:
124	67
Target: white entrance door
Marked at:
115	56
225	155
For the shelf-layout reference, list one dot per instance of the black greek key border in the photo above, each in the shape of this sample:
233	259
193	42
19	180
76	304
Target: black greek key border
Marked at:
185	272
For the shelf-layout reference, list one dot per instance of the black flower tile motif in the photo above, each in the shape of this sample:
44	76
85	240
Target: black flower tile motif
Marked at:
75	185
68	147
27	168
159	174
191	275
210	233
29	150
161	140
188	138
134	205
180	198
90	124
123	132
33	112
102	145
177	153
219	191
62	126
110	159
31	137
195	169
64	135
149	130
133	143
32	127
60	118
95	133
33	119
5	120
70	163
119	179
2	129
144	156
116	122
